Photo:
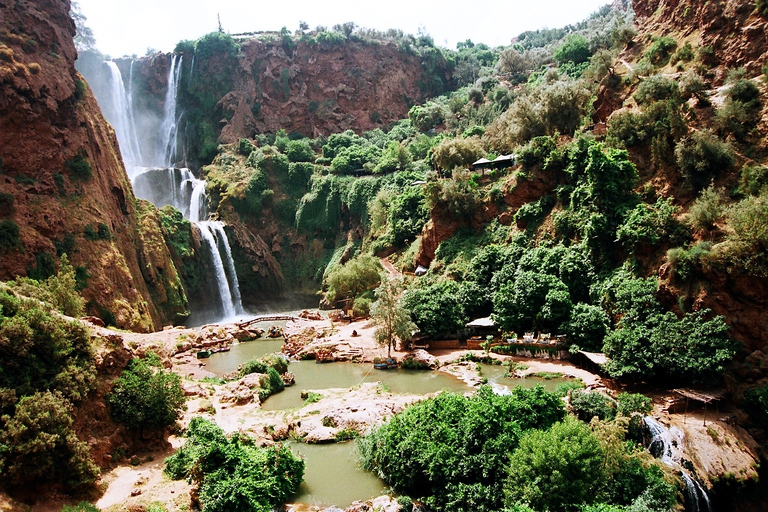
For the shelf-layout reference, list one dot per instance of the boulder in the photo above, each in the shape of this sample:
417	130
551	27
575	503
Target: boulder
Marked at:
422	358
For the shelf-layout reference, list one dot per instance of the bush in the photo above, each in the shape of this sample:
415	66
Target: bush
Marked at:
685	263
589	404
146	396
231	474
533	299
9	235
755	403
707	209
633	403
101	232
299	151
659	346
741	110
40	445
754	180
452	450
657	88
661	49
701	156
575	49
650	224
79	167
41	351
357	276
435	309
586	327
747	240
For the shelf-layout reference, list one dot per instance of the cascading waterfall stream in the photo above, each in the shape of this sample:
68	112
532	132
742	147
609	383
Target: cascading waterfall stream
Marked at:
123	121
663	444
155	178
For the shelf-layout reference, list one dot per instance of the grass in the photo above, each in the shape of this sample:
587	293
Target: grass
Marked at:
548	375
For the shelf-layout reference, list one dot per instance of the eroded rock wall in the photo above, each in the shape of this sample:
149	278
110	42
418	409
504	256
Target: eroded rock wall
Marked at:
62	176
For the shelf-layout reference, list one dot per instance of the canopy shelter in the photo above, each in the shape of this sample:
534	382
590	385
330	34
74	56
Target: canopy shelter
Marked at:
591	361
702	396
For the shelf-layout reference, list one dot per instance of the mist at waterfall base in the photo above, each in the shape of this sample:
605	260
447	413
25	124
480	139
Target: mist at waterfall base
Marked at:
153	158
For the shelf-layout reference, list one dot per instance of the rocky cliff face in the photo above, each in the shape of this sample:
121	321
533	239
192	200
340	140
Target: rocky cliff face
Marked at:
64	187
736	33
308	88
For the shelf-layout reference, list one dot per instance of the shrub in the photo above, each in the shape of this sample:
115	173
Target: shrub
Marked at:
589	404
754	179
9	235
650	224
747	240
660	50
40	444
79	167
245	147
707	209
701	156
101	232
656	88
435	309
586	327
655	345
43	352
633	403
146	396
755	403
575	49
357	276
299	151
232	474
81	89
741	110
685	263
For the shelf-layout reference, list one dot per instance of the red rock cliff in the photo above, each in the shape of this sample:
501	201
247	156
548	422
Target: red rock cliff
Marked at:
51	127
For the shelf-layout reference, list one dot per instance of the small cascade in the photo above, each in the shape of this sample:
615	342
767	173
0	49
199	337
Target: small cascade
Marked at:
122	118
169	130
664	444
209	230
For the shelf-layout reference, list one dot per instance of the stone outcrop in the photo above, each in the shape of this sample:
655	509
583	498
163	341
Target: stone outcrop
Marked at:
63	183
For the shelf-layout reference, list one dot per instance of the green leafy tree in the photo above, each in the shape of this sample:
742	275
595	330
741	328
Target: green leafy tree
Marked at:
586	326
352	279
451	451
575	49
392	320
435	309
554	468
532	299
146	396
701	157
38	444
232	474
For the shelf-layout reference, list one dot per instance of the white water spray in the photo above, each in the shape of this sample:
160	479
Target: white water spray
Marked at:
155	178
665	445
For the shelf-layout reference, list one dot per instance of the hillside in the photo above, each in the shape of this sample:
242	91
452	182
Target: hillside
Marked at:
64	187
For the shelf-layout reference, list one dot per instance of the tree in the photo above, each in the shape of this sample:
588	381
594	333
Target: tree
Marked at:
575	49
392	320
451	451
39	444
552	469
231	473
435	308
357	276
146	396
84	39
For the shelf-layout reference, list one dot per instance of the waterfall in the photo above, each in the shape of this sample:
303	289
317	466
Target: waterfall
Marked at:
154	177
122	118
209	231
664	444
170	127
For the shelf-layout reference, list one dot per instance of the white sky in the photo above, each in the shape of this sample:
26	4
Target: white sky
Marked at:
126	27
